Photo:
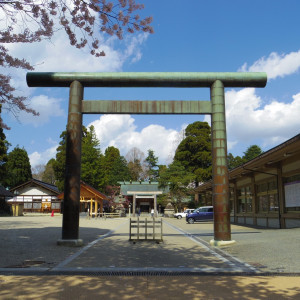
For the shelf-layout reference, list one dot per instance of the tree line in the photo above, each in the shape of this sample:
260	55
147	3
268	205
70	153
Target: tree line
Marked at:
191	165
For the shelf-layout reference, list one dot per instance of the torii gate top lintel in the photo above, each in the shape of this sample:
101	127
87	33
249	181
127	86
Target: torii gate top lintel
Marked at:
147	79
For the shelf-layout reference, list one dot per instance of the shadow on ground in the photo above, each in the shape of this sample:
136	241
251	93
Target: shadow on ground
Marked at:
147	287
27	247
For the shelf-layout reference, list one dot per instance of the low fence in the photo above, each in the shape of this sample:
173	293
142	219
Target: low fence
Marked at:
105	215
145	230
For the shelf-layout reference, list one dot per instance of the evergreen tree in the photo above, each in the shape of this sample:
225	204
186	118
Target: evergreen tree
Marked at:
234	161
59	165
151	163
194	151
113	168
90	159
17	167
179	181
252	152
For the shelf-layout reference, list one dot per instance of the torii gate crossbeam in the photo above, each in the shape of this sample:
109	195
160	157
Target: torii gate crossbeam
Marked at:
215	107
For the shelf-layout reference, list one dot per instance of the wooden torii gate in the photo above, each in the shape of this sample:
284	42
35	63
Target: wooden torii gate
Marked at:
215	107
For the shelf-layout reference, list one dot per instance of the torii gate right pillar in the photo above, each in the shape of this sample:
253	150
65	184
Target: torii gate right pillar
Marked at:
222	231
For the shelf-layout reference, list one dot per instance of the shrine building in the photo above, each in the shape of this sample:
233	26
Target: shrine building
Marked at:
141	195
264	191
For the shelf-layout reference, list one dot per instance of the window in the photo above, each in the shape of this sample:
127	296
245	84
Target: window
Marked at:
292	192
263	203
231	200
203	209
245	199
267	196
37	203
55	205
27	205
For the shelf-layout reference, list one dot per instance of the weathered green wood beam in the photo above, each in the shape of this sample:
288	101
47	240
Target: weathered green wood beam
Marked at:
147	79
145	107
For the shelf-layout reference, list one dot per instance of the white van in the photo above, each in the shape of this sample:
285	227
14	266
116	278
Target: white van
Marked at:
183	214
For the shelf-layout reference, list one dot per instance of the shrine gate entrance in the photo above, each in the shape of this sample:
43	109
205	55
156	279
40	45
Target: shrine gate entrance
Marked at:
214	107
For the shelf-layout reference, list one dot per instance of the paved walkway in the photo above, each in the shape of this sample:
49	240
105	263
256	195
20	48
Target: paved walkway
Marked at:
32	266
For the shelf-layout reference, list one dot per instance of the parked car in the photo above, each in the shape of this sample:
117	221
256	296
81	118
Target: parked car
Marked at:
183	214
204	213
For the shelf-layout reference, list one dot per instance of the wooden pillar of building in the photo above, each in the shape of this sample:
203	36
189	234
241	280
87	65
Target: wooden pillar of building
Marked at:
281	203
134	205
155	206
254	200
235	204
96	208
101	207
91	207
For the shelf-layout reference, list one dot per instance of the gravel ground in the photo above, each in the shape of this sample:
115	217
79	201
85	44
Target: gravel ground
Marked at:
31	241
269	250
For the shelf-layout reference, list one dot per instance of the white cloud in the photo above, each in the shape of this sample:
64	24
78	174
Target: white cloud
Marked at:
133	48
41	158
47	107
275	65
59	56
120	131
110	126
248	120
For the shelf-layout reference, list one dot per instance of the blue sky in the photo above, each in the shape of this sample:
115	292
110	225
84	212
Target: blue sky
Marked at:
190	36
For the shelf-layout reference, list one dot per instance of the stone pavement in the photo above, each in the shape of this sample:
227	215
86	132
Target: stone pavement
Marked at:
32	266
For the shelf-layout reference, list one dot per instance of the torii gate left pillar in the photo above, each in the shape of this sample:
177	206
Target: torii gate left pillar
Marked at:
70	226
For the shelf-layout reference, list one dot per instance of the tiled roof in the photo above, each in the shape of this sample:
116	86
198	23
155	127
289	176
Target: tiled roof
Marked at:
140	187
5	192
90	189
33	181
96	192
